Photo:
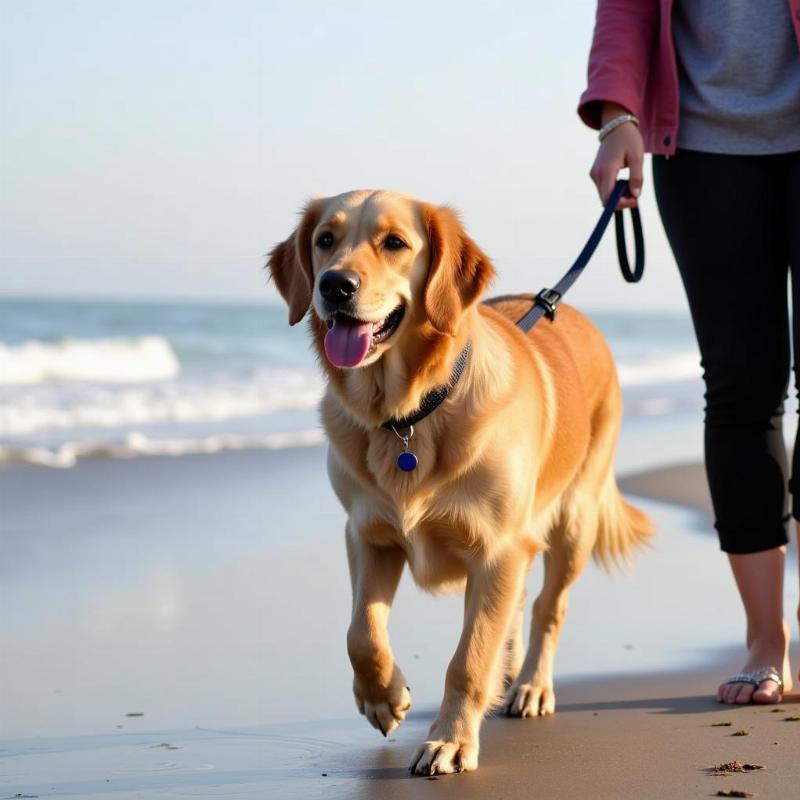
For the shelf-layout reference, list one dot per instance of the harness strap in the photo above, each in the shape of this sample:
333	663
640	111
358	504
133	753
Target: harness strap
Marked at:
546	302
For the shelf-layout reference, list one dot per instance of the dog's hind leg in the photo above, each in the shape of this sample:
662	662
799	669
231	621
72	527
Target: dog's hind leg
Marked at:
515	645
572	540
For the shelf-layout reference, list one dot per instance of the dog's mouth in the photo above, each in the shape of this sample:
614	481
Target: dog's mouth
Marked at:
349	340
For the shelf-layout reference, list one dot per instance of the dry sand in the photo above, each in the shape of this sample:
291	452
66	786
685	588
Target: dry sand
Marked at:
209	594
642	737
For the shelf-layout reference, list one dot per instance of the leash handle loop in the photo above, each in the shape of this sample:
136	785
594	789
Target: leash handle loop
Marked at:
622	249
634	276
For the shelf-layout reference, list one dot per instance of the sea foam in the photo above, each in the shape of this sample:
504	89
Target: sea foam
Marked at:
116	360
660	368
43	408
68	454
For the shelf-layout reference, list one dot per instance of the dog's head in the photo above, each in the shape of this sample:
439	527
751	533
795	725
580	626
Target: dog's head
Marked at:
374	265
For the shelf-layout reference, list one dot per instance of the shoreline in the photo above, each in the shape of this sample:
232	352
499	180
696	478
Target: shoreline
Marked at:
211	596
641	736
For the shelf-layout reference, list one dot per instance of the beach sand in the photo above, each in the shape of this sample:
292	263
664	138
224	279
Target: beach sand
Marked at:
681	484
174	627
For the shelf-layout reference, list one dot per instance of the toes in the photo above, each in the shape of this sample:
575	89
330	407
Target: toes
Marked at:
371	713
468	758
745	694
526	700
724	693
732	692
386	715
768	692
516	700
728	692
423	758
446	760
437	757
389	718
404	701
380	716
547	702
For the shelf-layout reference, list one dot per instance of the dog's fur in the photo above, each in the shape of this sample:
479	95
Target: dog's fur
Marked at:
517	461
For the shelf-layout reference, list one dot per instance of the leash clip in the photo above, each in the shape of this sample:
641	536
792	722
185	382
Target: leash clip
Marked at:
549	299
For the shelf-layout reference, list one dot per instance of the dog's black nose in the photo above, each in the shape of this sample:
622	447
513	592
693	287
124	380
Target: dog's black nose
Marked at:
338	285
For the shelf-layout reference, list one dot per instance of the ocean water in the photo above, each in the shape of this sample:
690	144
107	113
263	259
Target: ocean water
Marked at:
126	379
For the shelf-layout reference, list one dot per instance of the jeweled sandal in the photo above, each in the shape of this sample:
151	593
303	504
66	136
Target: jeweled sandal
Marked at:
757	677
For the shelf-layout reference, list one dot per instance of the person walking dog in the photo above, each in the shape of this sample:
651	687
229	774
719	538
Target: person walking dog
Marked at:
712	90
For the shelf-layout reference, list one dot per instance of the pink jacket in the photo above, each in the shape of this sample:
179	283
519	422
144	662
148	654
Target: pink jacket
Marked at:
632	62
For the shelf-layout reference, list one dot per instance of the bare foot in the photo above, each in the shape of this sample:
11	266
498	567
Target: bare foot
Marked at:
764	651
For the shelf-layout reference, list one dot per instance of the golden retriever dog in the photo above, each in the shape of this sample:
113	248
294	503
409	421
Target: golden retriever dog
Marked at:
517	459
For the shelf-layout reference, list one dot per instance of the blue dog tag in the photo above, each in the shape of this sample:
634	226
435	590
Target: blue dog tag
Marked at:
407	461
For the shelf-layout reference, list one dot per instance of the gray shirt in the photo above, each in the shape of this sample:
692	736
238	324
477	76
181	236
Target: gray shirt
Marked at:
739	72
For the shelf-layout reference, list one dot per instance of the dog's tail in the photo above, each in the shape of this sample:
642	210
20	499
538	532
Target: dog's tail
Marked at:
621	527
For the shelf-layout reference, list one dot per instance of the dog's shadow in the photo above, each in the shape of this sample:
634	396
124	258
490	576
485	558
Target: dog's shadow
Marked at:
691	704
701	704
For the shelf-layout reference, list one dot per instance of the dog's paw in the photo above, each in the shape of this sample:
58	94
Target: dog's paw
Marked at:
440	757
529	700
385	707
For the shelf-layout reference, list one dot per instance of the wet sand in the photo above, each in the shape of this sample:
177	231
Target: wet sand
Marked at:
681	484
654	736
208	595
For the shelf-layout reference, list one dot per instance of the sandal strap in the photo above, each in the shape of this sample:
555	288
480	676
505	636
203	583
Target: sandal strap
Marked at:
757	677
768	674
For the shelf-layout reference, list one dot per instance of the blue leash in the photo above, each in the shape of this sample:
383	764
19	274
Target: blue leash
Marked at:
546	302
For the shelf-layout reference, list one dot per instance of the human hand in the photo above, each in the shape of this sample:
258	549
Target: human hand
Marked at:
623	147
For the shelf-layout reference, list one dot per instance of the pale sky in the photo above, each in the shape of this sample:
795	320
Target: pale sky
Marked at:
159	149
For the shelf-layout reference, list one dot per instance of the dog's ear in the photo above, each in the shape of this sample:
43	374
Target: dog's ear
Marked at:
459	270
289	264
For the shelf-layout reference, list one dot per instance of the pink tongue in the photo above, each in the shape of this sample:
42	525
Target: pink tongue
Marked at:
347	342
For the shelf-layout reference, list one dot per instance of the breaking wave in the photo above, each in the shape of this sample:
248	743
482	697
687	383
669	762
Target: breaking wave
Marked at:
86	406
118	360
660	368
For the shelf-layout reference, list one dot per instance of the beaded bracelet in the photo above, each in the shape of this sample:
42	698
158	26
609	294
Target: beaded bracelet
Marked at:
613	124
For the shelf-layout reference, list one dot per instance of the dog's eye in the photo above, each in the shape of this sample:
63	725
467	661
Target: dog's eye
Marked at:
393	242
325	241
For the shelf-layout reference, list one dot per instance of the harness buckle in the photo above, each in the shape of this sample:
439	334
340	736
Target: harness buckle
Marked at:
548	299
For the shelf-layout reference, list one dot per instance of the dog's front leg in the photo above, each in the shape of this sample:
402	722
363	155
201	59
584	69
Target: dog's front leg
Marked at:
378	684
492	597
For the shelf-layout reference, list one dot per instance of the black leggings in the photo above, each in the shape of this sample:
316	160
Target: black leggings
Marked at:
733	223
